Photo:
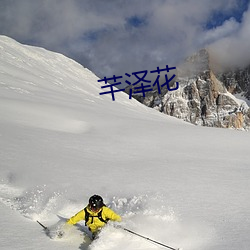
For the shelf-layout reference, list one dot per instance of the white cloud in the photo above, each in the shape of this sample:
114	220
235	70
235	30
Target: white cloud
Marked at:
233	50
98	33
228	28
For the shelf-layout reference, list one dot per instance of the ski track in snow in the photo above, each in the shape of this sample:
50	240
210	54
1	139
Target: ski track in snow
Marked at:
43	117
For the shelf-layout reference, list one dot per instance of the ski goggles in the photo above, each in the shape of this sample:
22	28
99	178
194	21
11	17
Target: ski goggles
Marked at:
94	208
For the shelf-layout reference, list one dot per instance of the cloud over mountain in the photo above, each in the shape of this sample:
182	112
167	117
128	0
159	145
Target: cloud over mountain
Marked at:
114	37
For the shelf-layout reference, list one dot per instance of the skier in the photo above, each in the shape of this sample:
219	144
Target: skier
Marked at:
95	214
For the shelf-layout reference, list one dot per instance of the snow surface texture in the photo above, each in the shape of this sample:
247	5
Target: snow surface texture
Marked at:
61	142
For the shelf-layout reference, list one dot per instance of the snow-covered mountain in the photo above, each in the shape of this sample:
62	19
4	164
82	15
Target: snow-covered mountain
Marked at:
206	95
60	142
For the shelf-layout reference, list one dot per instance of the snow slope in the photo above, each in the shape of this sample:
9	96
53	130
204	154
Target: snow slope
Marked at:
61	142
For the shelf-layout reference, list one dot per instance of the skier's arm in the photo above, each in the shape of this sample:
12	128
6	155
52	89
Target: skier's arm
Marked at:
77	217
110	214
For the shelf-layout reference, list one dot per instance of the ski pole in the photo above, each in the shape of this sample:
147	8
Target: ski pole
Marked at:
146	238
45	228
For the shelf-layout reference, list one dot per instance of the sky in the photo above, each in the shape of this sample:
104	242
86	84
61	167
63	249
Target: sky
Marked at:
114	37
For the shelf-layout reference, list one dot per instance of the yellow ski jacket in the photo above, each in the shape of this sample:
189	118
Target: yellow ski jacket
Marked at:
94	223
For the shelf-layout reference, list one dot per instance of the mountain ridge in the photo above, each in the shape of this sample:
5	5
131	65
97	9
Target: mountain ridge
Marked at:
205	95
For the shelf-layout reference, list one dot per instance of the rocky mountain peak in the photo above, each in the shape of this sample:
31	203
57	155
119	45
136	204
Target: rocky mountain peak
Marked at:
205	96
196	64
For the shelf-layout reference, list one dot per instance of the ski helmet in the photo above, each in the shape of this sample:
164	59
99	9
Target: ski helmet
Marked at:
95	202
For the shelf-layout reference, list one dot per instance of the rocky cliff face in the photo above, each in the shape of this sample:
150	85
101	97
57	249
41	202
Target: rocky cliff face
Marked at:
237	81
204	97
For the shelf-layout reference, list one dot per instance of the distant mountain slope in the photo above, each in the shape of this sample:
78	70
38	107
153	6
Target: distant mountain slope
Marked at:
237	81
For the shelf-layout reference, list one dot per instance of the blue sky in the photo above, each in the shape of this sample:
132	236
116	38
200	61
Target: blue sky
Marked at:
218	17
117	36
